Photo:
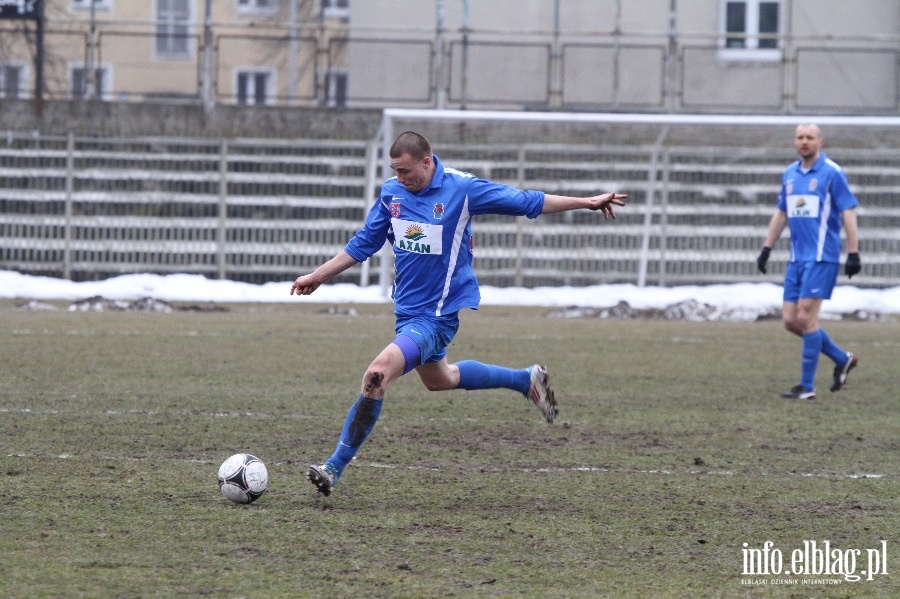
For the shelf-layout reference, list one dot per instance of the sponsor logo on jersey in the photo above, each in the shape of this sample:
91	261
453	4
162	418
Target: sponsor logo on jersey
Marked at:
414	233
803	206
418	238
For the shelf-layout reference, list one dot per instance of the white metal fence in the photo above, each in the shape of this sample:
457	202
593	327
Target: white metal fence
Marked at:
261	210
87	208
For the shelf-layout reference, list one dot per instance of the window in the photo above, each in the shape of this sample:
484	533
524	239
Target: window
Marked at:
12	81
254	86
173	19
748	26
256	7
79	84
336	89
336	9
86	5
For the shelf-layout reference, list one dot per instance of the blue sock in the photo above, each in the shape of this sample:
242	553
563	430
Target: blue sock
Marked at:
477	375
831	349
812	347
360	421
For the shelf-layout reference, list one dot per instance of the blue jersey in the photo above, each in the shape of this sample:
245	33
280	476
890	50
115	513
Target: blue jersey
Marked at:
813	201
431	233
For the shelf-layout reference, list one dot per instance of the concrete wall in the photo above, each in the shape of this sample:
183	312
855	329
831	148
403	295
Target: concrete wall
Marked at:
132	119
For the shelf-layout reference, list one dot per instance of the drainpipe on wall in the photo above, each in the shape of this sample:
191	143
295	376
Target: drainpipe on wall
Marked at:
292	55
440	93
207	91
671	57
465	55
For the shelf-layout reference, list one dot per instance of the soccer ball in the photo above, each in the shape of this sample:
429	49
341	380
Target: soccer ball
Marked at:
243	478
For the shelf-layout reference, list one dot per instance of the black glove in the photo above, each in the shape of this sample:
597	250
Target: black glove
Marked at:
853	265
763	259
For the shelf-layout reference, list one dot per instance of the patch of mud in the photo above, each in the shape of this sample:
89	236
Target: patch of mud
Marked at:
145	304
692	310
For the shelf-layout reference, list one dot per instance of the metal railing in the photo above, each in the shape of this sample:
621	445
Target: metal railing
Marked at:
260	210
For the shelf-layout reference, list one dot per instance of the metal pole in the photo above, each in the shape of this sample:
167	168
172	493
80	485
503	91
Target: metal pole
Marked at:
39	66
207	92
789	60
292	54
67	224
90	79
671	53
465	55
369	194
519	280
439	92
617	48
556	92
386	255
223	207
664	216
648	207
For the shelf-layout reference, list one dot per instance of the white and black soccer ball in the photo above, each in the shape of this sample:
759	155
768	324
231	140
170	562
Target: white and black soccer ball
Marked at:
243	478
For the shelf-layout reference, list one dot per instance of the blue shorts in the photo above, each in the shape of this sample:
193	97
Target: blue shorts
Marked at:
432	334
810	280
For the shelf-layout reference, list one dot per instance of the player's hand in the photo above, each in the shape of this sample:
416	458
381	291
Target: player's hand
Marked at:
606	201
304	285
853	265
763	259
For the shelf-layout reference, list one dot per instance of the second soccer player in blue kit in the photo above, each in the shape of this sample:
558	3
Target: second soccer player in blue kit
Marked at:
814	202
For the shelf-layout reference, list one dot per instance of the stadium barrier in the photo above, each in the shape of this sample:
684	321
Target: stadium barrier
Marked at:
262	210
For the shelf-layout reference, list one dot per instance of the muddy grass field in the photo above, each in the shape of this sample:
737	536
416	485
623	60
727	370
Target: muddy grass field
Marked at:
674	469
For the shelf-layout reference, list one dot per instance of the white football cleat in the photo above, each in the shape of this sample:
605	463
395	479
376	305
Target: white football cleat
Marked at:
541	394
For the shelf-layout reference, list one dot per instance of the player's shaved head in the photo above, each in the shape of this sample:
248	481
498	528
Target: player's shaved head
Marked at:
809	128
412	143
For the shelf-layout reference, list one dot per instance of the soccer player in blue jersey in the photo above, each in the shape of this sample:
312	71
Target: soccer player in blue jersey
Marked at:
814	201
425	212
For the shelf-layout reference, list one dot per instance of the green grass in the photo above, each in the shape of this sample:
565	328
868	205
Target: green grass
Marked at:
672	450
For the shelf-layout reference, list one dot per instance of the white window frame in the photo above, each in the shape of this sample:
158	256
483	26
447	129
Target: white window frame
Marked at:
252	7
106	83
85	5
751	52
189	51
24	74
271	84
330	10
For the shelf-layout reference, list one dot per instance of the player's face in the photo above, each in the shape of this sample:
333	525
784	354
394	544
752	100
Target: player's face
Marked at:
412	174
808	141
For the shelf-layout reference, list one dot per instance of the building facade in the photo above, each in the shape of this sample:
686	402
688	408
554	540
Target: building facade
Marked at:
736	56
261	52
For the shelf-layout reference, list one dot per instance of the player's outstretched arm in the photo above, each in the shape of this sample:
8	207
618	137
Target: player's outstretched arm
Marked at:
603	202
306	284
